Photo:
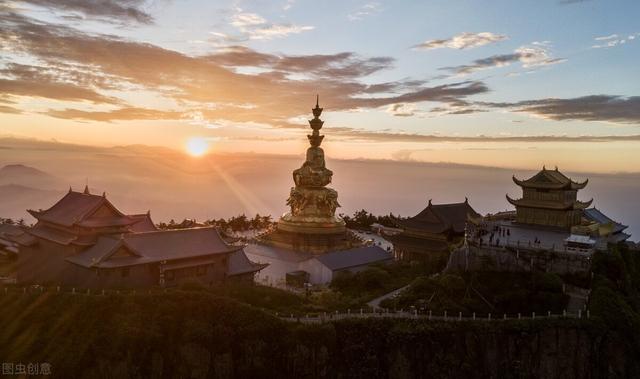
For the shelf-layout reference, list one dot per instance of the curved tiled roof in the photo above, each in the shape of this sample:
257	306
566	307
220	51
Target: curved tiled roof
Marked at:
550	179
549	204
179	243
164	245
240	264
142	223
77	207
437	218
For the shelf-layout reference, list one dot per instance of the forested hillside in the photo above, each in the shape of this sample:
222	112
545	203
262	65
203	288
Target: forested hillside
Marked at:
195	333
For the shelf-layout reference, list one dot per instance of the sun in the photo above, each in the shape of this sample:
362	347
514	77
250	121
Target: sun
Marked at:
197	146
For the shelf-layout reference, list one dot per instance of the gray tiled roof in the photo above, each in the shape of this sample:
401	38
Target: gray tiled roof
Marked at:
240	264
437	218
354	257
93	255
52	234
181	243
143	223
594	214
75	207
10	230
154	246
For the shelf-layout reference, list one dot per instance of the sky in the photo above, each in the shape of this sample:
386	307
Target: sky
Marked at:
514	84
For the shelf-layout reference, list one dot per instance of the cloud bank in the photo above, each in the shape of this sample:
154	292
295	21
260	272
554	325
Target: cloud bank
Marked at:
104	10
617	109
535	55
462	41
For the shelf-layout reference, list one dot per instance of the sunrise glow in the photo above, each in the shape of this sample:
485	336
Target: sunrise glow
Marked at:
197	146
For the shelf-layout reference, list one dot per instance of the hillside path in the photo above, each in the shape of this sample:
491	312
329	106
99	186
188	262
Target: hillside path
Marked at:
375	303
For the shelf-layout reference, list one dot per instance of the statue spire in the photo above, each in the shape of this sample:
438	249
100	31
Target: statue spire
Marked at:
315	139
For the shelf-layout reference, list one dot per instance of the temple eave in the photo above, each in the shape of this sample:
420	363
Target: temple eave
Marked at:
577	186
549	206
582	204
35	214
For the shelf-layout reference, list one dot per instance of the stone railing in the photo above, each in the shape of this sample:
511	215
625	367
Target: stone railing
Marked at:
429	315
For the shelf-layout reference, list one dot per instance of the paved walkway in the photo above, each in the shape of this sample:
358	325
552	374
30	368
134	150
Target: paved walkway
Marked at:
375	303
578	298
377	240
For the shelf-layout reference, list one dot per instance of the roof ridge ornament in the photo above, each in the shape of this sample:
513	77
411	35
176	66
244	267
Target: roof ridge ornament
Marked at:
86	190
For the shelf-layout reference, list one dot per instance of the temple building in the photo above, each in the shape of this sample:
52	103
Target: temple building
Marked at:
9	237
85	241
549	198
429	235
597	223
311	229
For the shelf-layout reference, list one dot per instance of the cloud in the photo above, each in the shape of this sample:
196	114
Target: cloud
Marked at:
613	40
129	113
9	110
282	85
106	10
52	90
567	2
401	109
462	41
277	31
456	110
454	107
340	65
535	55
604	38
255	27
242	20
364	135
61	73
609	108
364	11
288	4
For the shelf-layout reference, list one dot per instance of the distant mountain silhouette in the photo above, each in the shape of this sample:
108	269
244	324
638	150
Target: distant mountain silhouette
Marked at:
17	198
173	185
20	174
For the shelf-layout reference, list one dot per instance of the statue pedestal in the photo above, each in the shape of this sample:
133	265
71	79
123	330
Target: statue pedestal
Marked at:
311	241
311	225
311	234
